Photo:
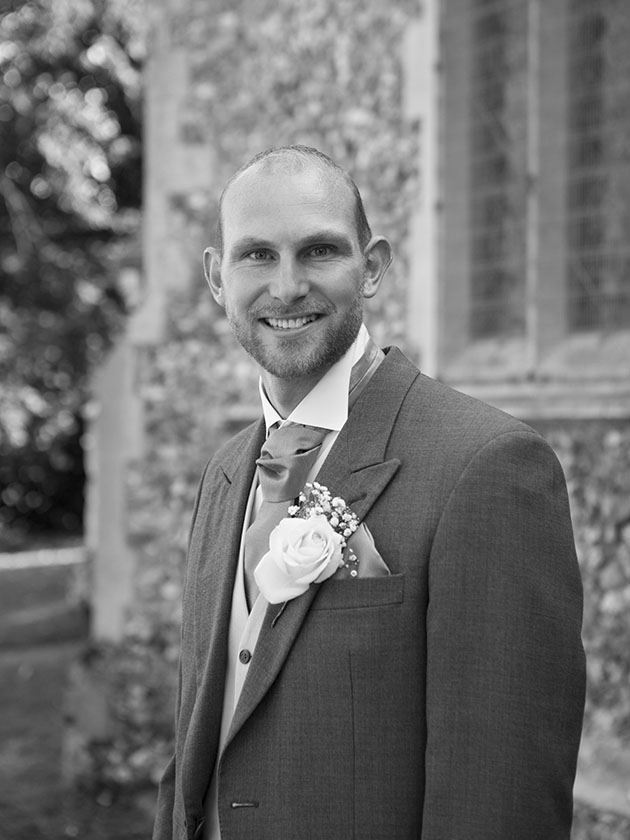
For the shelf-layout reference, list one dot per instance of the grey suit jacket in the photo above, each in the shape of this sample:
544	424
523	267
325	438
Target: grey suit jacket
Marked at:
443	702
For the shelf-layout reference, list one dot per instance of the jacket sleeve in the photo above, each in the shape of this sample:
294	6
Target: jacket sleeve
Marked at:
505	663
163	825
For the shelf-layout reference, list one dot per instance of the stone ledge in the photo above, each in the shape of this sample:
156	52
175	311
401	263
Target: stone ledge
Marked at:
42	557
554	400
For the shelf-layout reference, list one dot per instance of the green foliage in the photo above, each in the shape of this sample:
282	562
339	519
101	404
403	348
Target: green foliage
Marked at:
69	199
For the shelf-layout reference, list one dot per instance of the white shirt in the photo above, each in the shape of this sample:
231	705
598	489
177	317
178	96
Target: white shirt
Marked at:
326	406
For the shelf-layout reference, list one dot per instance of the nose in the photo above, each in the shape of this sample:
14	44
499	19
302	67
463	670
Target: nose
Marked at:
289	282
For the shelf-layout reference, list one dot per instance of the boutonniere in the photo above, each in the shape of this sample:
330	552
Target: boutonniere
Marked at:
307	546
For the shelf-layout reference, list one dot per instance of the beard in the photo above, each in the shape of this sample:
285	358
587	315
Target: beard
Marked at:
289	359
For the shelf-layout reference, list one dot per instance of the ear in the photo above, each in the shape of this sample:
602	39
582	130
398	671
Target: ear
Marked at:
378	256
212	270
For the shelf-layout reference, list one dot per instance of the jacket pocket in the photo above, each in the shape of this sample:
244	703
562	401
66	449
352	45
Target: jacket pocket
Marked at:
347	594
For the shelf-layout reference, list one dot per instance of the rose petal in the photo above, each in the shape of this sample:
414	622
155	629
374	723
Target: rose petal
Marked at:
301	551
275	585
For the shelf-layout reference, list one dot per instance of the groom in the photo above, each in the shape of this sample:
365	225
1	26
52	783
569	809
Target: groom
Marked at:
419	677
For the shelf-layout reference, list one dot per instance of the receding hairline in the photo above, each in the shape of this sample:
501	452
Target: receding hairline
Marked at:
291	160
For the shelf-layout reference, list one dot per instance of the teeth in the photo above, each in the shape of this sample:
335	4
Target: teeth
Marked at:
290	323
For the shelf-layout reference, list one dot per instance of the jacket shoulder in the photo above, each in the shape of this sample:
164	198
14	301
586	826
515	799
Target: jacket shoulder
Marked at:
434	410
462	409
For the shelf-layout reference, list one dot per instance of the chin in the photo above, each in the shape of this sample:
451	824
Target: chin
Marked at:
295	367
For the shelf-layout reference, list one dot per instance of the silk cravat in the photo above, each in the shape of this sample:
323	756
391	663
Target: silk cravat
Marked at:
286	459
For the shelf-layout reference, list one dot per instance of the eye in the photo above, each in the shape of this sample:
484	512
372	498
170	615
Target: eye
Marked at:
259	255
320	251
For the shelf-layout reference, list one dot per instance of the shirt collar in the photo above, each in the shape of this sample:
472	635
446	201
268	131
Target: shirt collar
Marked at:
326	404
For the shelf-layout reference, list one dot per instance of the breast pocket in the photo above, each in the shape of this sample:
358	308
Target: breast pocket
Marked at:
348	593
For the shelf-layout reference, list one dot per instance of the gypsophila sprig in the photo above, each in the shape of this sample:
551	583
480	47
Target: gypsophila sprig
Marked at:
317	500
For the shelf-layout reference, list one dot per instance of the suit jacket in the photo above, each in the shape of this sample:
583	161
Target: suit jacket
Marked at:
443	702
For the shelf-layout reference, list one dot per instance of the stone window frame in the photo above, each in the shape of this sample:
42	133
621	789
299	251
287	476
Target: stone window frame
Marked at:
548	368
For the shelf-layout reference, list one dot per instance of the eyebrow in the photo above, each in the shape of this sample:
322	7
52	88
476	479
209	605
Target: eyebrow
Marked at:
248	243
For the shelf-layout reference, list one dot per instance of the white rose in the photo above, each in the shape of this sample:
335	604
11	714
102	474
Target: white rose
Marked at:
301	552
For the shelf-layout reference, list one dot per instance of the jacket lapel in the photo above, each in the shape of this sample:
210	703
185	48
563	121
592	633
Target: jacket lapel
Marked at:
216	562
357	470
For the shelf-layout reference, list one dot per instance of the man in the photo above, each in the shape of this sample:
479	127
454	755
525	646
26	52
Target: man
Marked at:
432	688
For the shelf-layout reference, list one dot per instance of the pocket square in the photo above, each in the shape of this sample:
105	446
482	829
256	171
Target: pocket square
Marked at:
370	562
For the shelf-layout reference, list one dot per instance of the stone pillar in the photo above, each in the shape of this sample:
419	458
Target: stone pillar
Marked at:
178	168
115	438
178	175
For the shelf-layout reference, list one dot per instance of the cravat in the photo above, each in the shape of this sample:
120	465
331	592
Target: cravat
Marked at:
286	459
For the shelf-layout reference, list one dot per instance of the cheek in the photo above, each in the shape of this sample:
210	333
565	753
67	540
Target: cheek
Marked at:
342	293
237	299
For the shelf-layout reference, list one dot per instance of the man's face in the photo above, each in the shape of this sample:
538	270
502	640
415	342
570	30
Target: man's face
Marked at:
292	270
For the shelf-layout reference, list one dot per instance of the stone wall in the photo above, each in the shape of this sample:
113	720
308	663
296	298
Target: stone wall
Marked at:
596	458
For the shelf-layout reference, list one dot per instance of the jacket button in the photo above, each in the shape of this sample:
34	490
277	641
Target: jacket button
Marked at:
244	656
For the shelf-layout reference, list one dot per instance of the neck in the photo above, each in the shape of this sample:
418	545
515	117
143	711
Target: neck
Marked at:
286	394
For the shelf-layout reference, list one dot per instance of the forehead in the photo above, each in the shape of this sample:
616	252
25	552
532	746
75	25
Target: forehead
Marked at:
280	206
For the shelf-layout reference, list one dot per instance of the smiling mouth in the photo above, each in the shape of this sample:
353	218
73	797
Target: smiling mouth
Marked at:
290	323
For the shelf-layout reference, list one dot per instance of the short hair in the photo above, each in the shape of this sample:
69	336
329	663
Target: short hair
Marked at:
301	155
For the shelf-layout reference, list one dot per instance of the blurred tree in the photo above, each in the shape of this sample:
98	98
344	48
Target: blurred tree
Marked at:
70	192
